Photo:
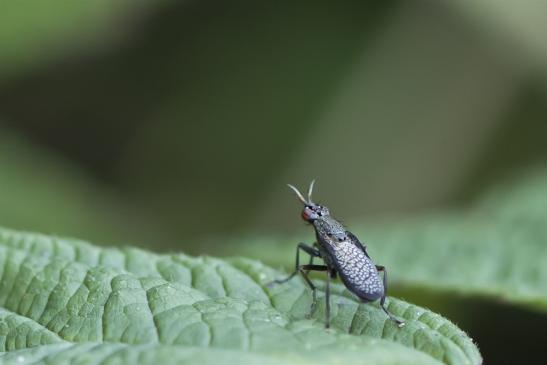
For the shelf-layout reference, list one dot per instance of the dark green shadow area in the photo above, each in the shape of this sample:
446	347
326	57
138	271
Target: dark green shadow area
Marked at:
506	334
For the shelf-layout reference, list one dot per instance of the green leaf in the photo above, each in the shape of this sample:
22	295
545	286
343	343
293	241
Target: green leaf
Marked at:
65	301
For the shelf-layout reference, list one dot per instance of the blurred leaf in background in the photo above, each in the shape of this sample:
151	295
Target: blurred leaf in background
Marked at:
43	191
35	33
202	111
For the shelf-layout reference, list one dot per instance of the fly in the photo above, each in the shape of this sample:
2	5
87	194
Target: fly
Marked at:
343	255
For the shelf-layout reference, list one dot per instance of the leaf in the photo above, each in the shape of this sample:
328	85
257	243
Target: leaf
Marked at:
67	301
495	249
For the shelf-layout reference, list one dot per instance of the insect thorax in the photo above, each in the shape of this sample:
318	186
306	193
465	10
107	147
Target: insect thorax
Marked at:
329	228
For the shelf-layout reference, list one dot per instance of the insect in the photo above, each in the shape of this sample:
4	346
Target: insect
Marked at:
342	254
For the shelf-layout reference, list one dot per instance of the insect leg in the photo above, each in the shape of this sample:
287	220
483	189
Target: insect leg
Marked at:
383	299
327	299
304	271
301	246
312	256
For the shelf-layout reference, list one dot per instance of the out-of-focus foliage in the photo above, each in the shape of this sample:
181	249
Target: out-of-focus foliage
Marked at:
46	192
520	25
33	32
67	292
207	110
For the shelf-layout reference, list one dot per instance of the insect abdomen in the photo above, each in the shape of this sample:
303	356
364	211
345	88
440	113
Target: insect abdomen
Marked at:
357	271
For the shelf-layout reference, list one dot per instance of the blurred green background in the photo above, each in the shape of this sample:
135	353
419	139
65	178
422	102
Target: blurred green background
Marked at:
175	125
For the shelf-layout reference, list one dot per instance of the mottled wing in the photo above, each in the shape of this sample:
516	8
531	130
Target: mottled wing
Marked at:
358	243
356	269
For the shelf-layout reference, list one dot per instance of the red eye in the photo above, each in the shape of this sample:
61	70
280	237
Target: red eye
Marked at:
305	215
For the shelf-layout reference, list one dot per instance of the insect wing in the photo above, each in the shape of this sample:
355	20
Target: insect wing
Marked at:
356	269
